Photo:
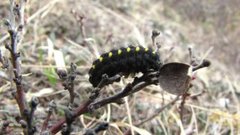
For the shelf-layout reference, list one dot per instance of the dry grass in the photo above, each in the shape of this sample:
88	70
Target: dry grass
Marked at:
206	26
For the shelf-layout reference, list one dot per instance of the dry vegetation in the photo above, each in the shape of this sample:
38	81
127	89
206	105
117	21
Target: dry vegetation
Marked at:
58	33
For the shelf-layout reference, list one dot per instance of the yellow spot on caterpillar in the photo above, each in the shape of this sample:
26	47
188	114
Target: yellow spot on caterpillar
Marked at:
128	49
93	66
100	59
110	54
137	49
146	49
119	51
154	52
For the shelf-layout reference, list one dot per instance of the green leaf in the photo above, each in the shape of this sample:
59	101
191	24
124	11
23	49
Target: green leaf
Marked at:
51	75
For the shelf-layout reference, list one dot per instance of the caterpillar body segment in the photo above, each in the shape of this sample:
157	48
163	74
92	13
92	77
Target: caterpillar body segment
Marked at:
124	60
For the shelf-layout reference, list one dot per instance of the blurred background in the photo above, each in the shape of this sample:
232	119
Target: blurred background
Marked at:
59	32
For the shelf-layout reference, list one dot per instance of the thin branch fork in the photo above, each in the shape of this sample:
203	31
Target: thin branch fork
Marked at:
15	27
80	110
89	105
129	89
20	95
51	107
67	79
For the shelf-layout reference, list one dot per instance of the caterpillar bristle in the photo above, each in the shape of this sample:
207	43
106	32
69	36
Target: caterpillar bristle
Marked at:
124	60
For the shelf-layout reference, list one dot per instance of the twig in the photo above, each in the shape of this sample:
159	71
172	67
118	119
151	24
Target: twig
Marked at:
155	33
205	63
195	96
80	19
112	99
192	56
15	30
104	81
89	105
109	38
33	105
100	127
158	111
84	108
77	112
68	80
20	95
69	119
193	61
136	85
184	97
51	107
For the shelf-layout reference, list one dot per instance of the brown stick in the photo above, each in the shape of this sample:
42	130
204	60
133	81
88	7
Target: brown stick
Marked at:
89	105
15	27
20	95
80	110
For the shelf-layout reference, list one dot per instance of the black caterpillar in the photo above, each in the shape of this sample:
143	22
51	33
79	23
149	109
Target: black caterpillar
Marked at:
124	60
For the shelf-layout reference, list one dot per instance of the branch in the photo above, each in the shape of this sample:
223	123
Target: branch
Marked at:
80	110
80	18
155	33
51	107
14	38
67	79
89	105
100	127
136	85
15	27
204	63
66	130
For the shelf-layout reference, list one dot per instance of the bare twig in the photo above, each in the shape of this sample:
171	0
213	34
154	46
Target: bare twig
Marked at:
136	85
80	19
155	33
159	110
66	130
205	63
68	80
195	96
109	38
14	38
193	61
113	98
100	127
104	81
33	105
89	105
184	97
51	107
192	56
77	112
84	108
15	27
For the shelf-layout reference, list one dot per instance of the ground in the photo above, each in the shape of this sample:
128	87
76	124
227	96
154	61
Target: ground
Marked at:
54	36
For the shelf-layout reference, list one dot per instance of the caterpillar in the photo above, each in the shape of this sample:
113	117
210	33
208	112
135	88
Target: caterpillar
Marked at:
124	60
